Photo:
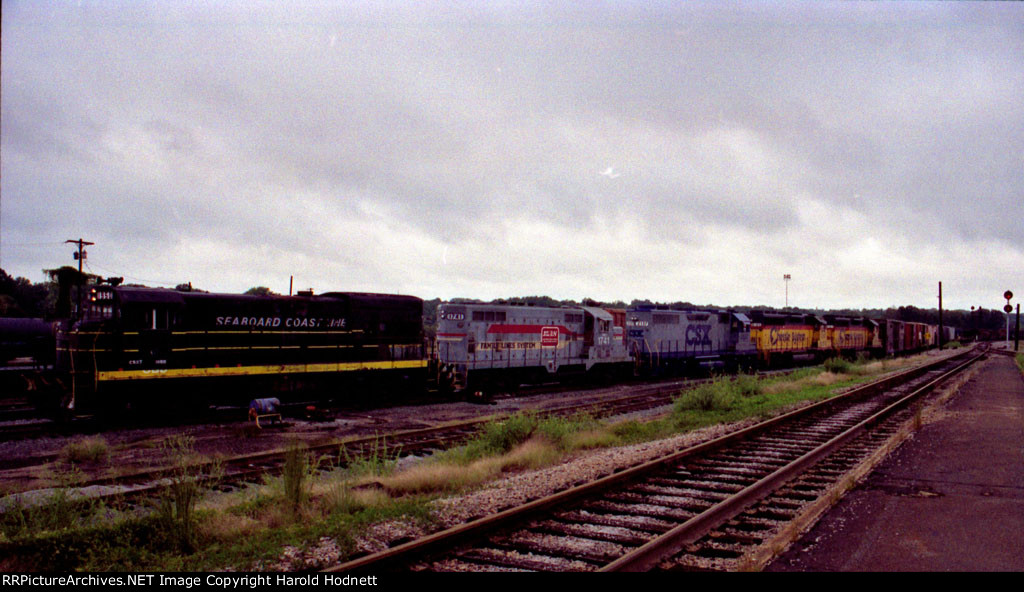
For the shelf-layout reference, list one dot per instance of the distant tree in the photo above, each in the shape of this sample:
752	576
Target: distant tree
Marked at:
530	301
9	306
261	291
19	297
430	317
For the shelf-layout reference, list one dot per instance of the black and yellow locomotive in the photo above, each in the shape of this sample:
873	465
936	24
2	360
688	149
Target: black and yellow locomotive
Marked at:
134	347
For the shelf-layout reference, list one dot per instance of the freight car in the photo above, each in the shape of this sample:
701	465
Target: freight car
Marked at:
137	347
28	339
905	337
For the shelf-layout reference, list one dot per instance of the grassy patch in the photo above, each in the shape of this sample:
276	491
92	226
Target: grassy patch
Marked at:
58	510
377	462
176	508
93	449
247	530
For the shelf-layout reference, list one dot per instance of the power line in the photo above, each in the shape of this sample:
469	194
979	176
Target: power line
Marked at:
43	244
134	279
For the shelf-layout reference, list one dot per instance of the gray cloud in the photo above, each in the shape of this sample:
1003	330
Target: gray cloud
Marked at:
326	137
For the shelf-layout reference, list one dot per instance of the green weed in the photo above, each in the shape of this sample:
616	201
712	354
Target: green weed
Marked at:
295	476
838	365
93	449
377	461
176	506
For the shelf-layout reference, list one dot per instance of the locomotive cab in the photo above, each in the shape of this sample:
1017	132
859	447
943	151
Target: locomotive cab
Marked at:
602	339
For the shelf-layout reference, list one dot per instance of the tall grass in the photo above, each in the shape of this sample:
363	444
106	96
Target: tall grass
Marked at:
93	449
377	462
176	508
295	475
60	510
719	394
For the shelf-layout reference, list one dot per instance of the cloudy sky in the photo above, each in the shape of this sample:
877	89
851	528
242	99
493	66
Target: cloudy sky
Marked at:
620	150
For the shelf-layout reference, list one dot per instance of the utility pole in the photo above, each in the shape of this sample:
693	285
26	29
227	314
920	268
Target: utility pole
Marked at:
786	279
80	256
941	332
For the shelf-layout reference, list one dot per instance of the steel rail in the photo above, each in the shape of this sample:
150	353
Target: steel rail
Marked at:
653	552
477	528
248	466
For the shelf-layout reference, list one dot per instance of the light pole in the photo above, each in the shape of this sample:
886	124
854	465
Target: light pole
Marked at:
786	279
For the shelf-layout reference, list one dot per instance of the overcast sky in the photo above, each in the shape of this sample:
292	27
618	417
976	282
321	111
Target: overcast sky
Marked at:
668	151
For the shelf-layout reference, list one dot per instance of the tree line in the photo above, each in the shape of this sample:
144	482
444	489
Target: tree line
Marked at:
19	297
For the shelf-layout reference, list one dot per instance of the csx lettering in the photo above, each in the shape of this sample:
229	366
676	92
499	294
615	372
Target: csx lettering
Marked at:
698	335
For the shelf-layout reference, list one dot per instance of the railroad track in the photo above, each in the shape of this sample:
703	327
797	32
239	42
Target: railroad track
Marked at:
245	469
20	420
689	509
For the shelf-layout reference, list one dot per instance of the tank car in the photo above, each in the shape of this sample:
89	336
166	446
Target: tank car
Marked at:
28	340
142	346
489	347
673	342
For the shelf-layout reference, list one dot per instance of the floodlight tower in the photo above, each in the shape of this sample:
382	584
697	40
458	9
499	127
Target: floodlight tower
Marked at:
786	279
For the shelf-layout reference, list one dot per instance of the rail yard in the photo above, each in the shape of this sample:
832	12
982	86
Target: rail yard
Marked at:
590	511
637	438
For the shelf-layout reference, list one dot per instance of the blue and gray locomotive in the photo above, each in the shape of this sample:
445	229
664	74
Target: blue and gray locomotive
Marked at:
481	346
675	342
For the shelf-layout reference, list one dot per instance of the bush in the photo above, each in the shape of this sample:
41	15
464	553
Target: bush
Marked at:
502	436
93	449
561	431
838	365
747	385
708	396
